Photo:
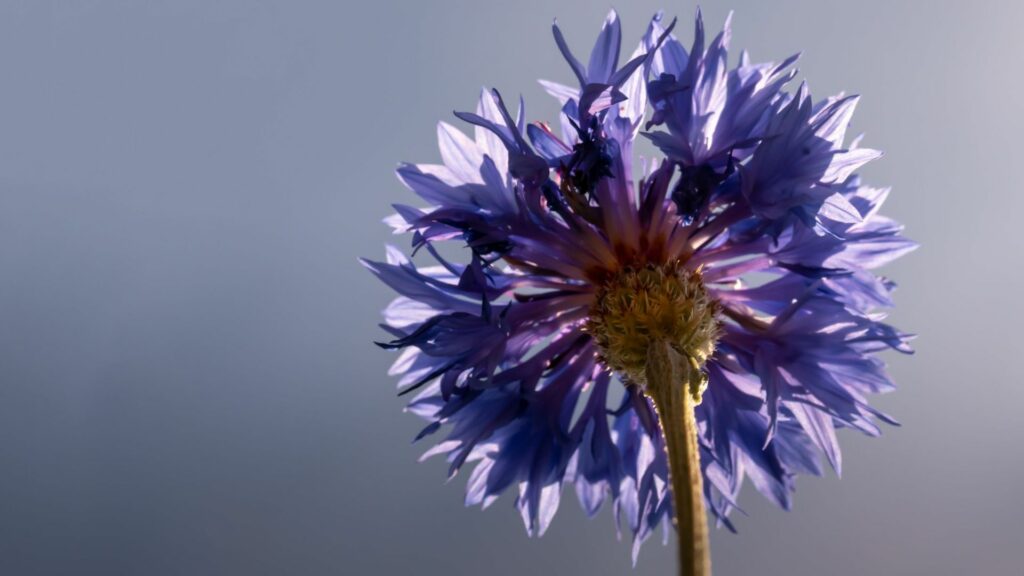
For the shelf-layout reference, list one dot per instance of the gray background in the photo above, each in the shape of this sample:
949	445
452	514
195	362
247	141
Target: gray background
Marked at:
188	384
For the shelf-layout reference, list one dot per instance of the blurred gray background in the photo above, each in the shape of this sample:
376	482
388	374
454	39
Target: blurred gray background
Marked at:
187	383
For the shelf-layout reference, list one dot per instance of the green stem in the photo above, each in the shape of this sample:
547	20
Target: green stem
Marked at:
673	384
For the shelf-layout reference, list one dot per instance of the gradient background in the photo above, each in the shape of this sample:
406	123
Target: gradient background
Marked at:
187	384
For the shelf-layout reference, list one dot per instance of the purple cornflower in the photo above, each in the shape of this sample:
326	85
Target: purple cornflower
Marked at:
747	253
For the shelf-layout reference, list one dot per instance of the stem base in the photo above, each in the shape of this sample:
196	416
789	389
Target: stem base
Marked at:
673	384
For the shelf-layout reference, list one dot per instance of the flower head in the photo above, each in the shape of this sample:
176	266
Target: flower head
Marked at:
750	248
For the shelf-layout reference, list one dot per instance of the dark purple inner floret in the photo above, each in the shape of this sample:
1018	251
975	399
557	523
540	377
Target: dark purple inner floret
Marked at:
694	187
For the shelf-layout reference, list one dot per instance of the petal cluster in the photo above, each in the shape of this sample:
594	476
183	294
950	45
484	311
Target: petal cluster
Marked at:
756	194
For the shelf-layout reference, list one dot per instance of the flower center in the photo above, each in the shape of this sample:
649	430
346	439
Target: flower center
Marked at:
637	307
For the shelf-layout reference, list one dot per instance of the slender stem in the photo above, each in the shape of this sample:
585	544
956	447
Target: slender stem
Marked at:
673	383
